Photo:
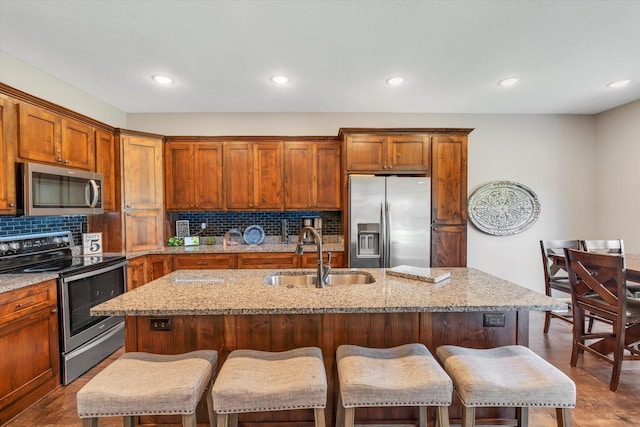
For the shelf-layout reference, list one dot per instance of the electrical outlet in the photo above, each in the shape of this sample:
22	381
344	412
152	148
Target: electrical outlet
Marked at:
493	320
160	324
203	225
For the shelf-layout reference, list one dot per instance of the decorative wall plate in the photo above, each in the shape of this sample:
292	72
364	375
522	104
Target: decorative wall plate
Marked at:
503	208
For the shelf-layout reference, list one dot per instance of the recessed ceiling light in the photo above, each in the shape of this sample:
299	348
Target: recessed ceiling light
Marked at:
280	80
395	81
619	83
163	80
509	82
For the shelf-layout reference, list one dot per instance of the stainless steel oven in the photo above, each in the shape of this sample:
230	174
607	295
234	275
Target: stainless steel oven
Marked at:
86	339
83	282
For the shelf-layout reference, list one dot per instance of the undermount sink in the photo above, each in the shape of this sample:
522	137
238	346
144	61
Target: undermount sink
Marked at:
335	278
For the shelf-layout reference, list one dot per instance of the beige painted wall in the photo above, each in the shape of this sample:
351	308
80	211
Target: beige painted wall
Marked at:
615	174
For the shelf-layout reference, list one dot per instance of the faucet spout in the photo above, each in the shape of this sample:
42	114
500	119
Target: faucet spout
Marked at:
321	273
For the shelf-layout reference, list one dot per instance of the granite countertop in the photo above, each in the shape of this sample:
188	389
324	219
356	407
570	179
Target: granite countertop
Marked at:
215	292
221	249
10	282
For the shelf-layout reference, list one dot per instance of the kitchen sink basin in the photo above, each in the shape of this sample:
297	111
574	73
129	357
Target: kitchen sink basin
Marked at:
335	278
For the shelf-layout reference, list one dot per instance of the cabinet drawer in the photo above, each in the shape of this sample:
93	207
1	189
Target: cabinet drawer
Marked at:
21	301
195	262
310	259
260	260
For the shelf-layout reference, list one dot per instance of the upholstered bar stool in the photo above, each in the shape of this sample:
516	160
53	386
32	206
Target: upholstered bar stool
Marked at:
260	381
510	376
139	384
407	375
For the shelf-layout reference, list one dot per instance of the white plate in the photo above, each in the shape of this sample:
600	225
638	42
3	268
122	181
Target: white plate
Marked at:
253	235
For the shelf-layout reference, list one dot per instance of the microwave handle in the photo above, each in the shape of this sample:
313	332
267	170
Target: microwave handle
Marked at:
91	185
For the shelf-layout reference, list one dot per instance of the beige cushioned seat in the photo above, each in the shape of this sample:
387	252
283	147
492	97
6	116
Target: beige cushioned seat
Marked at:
257	381
148	384
407	375
511	376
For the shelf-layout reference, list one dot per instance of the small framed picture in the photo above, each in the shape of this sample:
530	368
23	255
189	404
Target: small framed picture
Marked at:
182	228
91	243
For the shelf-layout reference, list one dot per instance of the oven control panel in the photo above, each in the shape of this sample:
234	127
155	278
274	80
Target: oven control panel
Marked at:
34	243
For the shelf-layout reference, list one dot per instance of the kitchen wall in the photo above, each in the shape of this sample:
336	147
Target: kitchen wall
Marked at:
581	167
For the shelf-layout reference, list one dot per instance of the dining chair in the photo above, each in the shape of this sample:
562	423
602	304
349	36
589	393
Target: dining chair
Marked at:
598	286
555	273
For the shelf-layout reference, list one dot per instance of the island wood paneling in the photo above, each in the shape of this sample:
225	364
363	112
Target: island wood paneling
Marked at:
280	332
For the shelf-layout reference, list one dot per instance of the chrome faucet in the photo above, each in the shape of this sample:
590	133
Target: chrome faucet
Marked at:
322	273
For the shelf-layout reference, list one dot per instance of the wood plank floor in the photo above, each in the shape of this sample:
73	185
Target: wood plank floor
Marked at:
596	406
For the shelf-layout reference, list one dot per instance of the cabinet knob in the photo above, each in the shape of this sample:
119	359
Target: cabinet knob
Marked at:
59	160
128	206
391	167
12	205
66	162
384	167
54	310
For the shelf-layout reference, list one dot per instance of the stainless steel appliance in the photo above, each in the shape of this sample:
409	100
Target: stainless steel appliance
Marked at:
389	221
52	190
84	282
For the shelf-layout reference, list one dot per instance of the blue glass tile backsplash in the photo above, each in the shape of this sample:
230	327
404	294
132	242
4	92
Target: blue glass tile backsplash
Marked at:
11	225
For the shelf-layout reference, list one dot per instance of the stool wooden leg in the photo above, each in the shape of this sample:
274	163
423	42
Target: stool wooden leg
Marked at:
233	420
212	415
319	417
89	422
468	416
349	416
223	420
563	415
422	416
189	420
128	421
340	412
442	416
523	416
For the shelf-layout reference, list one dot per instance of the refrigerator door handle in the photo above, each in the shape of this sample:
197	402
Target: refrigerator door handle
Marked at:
383	232
387	236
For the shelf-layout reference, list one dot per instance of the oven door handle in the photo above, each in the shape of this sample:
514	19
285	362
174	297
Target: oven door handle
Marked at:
91	188
71	276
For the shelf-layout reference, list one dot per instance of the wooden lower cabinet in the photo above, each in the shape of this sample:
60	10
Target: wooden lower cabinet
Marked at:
136	273
281	332
267	260
310	259
203	261
30	359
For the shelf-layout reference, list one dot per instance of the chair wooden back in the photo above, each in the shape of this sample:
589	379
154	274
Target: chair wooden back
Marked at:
598	285
615	246
553	270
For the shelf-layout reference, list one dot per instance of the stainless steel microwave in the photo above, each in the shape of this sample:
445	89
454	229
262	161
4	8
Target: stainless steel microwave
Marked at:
52	190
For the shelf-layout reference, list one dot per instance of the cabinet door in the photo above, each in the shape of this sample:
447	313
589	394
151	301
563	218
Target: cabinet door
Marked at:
449	179
7	159
299	185
366	152
143	229
310	259
39	135
107	164
179	175
136	273
207	170
327	181
158	266
238	175
408	152
29	328
142	172
267	175
78	144
449	246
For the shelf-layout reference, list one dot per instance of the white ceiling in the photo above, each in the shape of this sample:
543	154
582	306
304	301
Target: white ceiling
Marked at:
338	53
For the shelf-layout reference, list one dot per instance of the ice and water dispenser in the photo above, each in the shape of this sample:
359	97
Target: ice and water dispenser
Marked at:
368	240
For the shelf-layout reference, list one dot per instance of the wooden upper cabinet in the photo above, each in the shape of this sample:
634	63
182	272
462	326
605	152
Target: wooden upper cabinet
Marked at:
405	153
107	161
142	172
311	175
193	176
7	158
253	175
50	138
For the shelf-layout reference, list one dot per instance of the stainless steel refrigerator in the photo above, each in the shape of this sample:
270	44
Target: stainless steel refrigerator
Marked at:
389	221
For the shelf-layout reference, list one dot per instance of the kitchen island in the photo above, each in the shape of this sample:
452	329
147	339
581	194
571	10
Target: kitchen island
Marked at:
232	309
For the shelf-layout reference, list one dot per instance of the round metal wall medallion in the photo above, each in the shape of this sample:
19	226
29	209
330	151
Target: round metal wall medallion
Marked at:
503	208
